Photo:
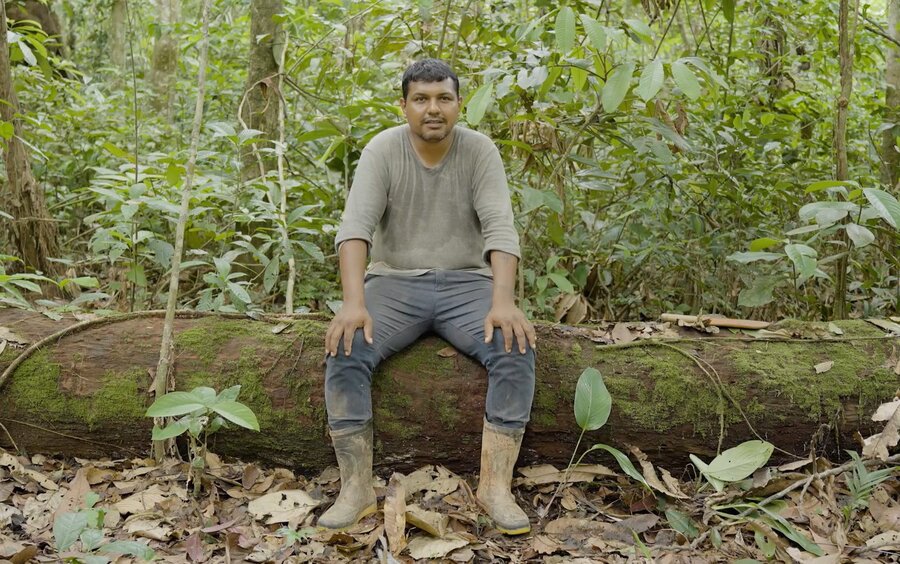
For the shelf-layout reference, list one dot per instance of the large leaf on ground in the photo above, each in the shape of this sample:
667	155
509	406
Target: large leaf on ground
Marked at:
740	462
68	528
592	400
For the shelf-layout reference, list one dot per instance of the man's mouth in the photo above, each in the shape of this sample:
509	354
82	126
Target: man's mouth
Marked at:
434	122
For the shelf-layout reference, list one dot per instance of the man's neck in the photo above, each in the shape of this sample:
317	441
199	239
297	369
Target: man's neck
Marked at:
431	154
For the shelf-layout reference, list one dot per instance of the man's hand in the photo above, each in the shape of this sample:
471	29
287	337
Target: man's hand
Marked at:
511	321
344	325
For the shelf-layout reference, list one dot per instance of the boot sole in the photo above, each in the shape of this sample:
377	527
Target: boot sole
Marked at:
511	532
362	514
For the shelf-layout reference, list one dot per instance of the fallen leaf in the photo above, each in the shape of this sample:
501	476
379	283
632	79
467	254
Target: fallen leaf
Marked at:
3	343
432	522
99	475
6	490
19	472
835	329
7	335
543	544
464	554
74	497
194	548
888	326
395	514
824	367
285	506
889	540
278	329
152	529
574	527
877	445
795	465
142	501
639	523
652	478
429	547
447	352
249	476
25	555
621	334
548	474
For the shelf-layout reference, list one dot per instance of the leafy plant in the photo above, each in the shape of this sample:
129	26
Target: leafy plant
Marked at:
86	527
735	464
202	412
861	483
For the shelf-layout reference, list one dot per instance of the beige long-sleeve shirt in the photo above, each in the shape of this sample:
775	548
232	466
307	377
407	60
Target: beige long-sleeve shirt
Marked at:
416	219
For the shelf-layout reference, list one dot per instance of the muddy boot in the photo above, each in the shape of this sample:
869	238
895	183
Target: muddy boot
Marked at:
353	448
499	450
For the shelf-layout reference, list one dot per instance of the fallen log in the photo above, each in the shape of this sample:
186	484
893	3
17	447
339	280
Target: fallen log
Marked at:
84	394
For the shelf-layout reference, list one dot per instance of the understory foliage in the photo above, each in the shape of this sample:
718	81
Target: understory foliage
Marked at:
662	156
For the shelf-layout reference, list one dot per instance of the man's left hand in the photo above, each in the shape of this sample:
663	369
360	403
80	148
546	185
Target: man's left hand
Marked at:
512	321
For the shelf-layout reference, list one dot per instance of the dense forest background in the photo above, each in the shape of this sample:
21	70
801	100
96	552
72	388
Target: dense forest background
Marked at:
694	156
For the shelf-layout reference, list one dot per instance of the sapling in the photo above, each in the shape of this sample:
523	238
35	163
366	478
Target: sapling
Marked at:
86	526
203	412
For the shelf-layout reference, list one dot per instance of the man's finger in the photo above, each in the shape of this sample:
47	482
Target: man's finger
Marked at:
532	336
507	337
488	330
520	337
330	341
348	340
367	330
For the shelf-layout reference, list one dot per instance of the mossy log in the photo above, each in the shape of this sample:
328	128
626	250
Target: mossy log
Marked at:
85	394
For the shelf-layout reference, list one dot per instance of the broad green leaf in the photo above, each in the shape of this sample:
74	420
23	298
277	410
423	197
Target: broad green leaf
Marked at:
624	463
592	400
579	78
594	31
781	525
861	236
682	523
740	462
562	283
765	546
204	395
91	539
759	293
270	274
229	394
641	29
826	184
174	403
651	80
565	29
478	103
7	130
312	250
616	87
239	292
237	413
763	243
828	217
130	548
686	80
169	431
67	528
753	256
804	259
809	211
728	9
93	559
717	484
887	206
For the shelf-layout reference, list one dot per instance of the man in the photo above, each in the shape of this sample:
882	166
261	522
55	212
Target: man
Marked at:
430	203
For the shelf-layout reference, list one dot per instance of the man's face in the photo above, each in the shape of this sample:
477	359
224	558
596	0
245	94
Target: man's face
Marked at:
431	109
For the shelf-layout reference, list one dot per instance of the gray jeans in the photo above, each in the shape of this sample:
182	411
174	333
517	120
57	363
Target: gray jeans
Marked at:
450	303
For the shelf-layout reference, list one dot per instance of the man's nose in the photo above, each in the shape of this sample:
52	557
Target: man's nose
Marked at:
433	107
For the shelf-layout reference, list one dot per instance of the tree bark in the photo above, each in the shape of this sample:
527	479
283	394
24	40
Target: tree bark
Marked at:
846	37
164	65
891	156
260	106
31	230
84	394
117	30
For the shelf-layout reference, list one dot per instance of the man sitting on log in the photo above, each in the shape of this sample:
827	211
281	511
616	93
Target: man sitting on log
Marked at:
430	206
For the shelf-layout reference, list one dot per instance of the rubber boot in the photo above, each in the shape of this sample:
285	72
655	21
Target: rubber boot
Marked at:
353	448
499	451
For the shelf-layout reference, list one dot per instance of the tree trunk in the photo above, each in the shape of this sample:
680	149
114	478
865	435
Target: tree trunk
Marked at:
164	65
85	394
260	106
846	37
889	170
31	230
117	30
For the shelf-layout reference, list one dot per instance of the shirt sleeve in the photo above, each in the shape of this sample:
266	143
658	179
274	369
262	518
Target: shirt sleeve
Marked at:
493	205
366	201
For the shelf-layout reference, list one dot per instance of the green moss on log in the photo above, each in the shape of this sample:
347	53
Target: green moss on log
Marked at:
35	388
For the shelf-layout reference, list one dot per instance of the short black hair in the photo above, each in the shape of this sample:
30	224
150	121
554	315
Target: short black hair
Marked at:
428	70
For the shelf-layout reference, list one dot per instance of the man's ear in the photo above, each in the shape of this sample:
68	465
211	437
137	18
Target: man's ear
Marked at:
403	105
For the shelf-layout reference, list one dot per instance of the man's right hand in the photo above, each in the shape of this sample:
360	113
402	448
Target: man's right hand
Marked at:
344	326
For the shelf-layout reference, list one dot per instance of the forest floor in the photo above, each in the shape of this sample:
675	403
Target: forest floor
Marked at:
818	513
